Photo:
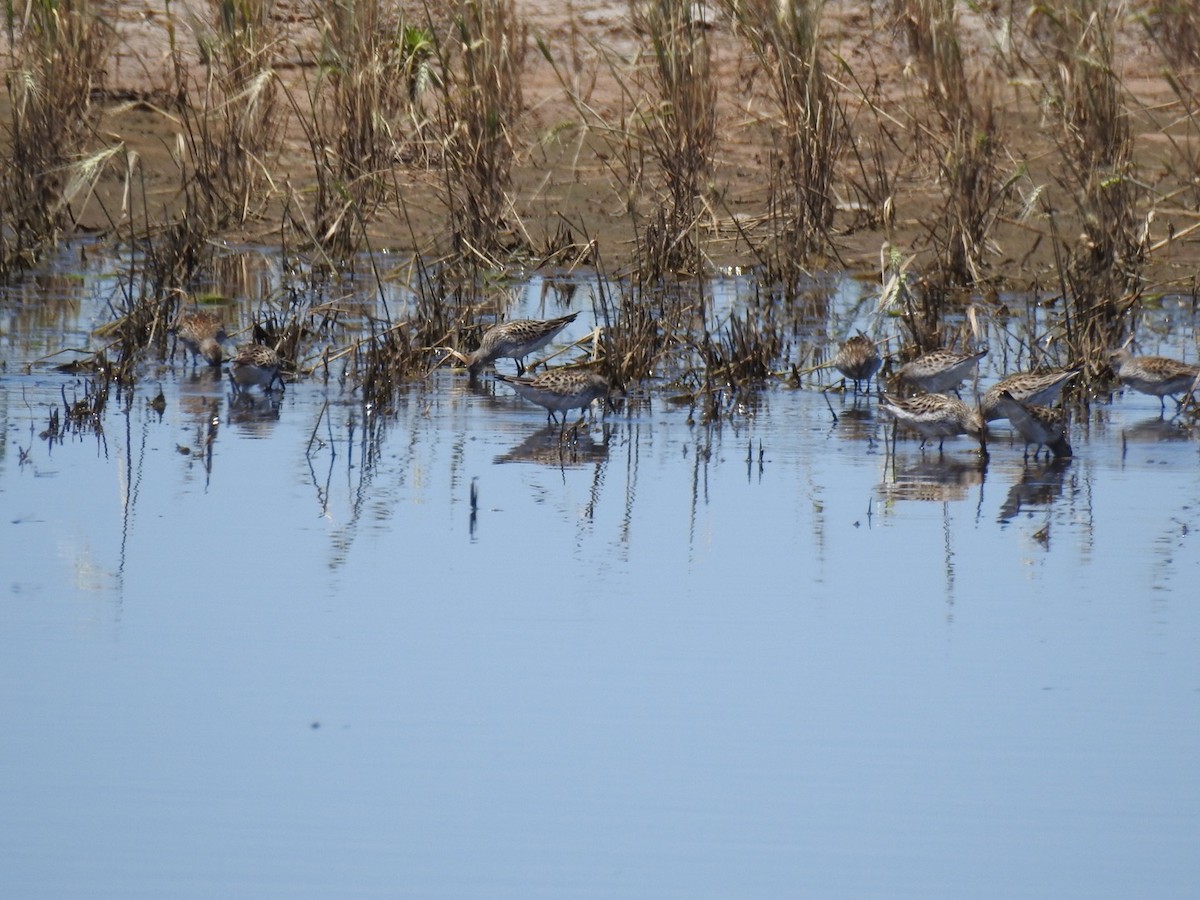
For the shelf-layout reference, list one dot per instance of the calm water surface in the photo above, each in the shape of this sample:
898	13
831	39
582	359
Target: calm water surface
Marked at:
762	658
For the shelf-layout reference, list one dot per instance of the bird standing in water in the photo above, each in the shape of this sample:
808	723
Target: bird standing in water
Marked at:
515	340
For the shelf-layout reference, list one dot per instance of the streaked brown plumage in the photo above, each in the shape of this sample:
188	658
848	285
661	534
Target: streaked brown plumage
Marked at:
202	333
254	364
1039	425
858	359
515	340
1159	376
559	389
934	416
941	370
1034	388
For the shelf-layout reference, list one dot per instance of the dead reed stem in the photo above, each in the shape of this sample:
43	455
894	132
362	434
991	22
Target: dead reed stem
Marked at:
810	130
482	100
680	130
1101	269
58	52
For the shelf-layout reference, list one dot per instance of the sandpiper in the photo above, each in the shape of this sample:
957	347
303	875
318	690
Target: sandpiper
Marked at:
941	370
202	333
858	360
1039	425
515	340
934	416
559	389
255	364
1159	376
1036	388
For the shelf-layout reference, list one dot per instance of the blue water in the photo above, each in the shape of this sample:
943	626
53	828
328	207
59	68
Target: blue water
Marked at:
760	657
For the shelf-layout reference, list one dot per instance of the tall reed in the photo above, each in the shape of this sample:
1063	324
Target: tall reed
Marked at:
231	123
58	51
483	62
360	112
810	129
1102	267
680	130
966	139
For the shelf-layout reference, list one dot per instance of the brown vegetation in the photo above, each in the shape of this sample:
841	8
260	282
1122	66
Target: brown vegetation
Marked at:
988	146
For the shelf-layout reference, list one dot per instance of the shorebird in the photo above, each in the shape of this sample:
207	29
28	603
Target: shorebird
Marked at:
515	340
559	389
1039	425
934	416
1036	388
254	364
941	370
1159	376
202	333
858	359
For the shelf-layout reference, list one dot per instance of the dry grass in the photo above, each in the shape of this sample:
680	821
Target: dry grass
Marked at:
809	130
965	142
483	60
679	129
58	52
360	115
1101	267
431	120
230	115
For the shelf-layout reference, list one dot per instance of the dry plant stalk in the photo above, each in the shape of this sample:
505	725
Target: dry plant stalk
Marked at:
362	111
482	104
680	130
811	132
967	145
232	130
1102	269
1175	26
58	53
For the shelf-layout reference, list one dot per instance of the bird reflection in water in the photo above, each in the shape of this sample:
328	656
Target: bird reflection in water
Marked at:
1156	430
857	423
1038	487
551	446
942	478
254	414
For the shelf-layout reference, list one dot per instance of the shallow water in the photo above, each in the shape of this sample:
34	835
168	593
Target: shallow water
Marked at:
755	658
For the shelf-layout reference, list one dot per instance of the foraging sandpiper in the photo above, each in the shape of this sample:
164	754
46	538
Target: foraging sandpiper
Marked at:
1039	425
255	364
859	360
559	389
515	340
941	370
1034	388
202	333
934	416
1159	376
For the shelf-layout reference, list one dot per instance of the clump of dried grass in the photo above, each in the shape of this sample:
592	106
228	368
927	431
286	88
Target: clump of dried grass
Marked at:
1101	268
966	142
482	61
230	116
1175	26
58	52
680	130
361	113
810	129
